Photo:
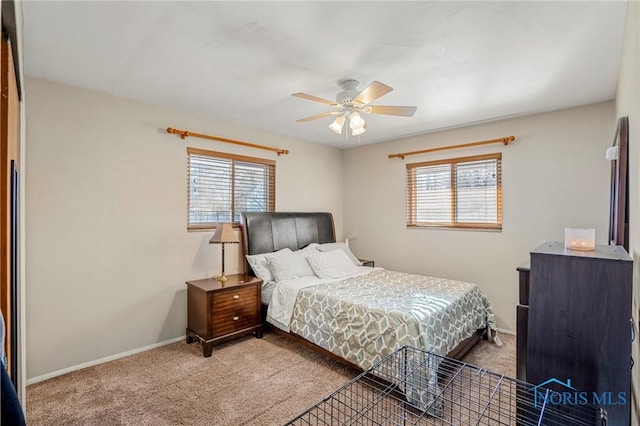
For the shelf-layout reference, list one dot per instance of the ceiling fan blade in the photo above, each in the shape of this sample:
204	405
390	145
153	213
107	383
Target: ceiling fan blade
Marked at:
404	111
372	92
314	98
324	114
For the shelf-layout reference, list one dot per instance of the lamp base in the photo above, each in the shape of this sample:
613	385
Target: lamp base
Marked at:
222	278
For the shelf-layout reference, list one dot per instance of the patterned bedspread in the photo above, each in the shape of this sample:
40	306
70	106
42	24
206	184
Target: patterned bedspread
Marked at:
365	318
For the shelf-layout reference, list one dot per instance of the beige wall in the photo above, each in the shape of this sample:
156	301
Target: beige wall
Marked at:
106	246
628	104
554	176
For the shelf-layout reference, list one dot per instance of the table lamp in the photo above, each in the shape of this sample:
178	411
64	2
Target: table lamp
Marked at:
223	235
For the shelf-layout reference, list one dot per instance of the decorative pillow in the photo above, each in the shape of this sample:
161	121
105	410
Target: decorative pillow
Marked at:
258	263
289	266
332	264
340	246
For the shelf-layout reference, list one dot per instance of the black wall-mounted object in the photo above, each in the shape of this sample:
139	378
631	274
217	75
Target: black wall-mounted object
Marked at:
619	201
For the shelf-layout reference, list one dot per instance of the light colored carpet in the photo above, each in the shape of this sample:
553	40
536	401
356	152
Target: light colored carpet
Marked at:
245	382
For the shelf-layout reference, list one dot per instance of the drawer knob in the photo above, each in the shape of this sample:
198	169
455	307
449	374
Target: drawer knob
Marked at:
236	318
236	297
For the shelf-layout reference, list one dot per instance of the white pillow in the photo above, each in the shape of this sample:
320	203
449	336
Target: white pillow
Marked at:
258	263
289	266
310	248
340	246
332	264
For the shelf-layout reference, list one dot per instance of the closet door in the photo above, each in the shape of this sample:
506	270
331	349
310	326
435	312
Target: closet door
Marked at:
9	174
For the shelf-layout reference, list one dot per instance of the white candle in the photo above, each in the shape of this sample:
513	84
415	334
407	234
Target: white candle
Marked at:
579	239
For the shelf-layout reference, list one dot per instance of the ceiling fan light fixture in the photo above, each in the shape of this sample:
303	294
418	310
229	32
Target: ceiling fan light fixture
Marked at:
359	131
337	124
355	121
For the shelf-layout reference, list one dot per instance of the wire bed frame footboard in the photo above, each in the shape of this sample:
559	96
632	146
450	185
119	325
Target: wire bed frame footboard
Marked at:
416	387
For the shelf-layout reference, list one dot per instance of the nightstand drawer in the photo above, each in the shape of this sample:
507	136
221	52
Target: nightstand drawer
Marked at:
229	320
235	297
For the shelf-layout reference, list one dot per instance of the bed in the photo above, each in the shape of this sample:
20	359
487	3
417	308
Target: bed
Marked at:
360	318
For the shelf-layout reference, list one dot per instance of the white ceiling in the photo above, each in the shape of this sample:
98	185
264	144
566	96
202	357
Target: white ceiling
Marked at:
458	62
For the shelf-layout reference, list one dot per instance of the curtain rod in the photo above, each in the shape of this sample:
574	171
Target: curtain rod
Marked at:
184	133
505	141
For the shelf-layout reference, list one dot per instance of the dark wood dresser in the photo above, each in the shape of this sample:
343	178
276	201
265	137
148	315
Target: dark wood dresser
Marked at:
218	312
573	323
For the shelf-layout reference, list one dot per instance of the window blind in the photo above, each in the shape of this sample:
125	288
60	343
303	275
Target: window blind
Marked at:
221	186
457	193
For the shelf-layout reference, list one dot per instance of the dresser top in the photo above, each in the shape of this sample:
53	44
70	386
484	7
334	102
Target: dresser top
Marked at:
601	251
212	284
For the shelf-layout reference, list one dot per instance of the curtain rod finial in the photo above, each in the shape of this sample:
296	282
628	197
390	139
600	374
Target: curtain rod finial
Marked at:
183	133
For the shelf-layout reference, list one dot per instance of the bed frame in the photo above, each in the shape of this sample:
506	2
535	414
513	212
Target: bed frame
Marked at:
269	232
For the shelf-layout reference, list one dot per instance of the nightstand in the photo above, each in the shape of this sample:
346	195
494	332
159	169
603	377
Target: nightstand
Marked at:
366	262
218	312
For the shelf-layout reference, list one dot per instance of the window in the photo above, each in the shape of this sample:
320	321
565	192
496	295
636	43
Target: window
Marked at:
455	193
221	186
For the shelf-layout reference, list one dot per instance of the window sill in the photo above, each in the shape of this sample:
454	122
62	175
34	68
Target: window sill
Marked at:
198	228
465	227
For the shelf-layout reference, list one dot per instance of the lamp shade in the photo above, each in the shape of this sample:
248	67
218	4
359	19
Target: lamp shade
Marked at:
355	121
224	234
336	126
359	131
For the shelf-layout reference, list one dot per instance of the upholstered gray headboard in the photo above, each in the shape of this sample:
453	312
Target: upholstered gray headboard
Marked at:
269	232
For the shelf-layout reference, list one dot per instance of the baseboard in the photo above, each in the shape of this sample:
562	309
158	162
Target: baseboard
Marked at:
503	331
100	361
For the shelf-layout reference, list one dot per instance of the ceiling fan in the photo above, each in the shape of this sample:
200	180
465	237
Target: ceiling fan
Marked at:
351	103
